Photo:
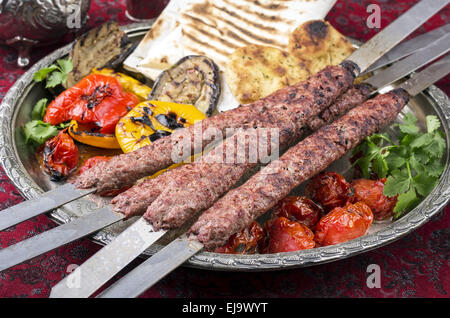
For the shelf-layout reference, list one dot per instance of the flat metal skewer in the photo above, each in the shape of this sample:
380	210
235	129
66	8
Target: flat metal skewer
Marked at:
56	237
45	203
97	270
409	47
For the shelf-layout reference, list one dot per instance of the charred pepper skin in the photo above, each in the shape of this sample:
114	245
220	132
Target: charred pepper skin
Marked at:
97	100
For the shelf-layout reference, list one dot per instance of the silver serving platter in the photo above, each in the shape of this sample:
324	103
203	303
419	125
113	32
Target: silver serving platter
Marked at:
22	168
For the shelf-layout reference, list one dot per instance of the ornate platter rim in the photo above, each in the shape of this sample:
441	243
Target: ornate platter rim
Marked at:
429	207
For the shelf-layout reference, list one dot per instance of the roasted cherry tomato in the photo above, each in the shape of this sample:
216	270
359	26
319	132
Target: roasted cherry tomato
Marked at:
371	193
60	156
284	235
330	189
343	224
97	101
300	209
244	242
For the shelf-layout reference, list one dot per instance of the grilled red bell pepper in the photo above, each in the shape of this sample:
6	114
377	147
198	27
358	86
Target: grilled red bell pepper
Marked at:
97	101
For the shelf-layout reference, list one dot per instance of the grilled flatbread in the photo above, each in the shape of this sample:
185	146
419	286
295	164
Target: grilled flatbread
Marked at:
319	44
256	71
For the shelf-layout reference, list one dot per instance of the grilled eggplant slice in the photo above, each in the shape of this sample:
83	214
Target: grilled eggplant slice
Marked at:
104	46
192	80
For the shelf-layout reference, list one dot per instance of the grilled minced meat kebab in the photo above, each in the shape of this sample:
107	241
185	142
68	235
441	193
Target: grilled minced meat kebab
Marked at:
203	182
241	206
316	94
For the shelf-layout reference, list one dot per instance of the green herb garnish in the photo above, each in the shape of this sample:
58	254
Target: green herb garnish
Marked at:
38	131
55	74
39	109
412	167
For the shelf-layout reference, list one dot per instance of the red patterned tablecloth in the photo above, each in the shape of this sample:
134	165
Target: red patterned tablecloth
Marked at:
415	266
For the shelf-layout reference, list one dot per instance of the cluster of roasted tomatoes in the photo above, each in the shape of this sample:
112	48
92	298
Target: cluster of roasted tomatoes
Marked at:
107	110
332	212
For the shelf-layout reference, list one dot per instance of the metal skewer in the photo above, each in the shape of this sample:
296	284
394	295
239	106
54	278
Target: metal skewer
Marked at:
409	47
45	203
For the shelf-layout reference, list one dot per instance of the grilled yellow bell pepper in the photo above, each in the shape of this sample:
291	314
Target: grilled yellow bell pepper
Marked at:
152	120
128	83
84	136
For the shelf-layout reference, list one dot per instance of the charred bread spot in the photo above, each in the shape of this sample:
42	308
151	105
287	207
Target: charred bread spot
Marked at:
317	30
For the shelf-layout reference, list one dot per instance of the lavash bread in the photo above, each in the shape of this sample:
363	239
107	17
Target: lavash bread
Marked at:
319	44
216	28
254	72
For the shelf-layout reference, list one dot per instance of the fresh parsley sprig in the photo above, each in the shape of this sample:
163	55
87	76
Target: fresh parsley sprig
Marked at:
412	167
55	74
39	109
37	131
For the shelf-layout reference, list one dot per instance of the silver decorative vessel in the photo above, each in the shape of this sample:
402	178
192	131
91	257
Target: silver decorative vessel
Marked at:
28	23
